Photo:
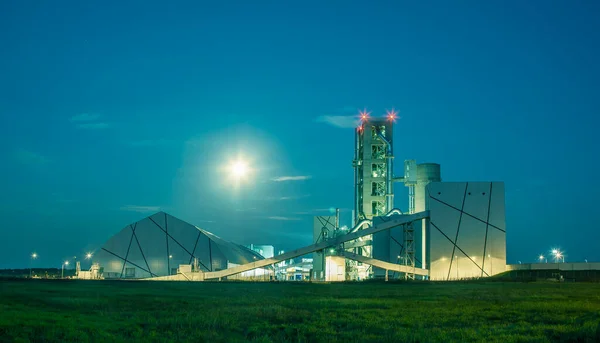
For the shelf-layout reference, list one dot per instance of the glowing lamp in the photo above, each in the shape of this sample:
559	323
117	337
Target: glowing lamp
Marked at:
392	115
364	115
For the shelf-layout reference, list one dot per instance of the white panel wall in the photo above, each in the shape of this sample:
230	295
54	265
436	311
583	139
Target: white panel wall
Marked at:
467	233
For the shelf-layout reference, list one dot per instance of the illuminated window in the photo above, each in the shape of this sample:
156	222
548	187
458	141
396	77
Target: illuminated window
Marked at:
378	208
374	131
378	169
378	151
378	188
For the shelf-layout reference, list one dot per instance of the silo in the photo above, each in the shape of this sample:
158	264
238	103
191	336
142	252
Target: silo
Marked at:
426	173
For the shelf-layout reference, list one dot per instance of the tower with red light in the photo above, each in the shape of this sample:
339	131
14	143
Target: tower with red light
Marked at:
373	165
373	174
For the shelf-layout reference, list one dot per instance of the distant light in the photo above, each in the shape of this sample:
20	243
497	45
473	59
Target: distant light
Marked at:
555	251
170	256
239	169
489	255
364	115
66	263
332	251
541	257
392	115
88	255
34	255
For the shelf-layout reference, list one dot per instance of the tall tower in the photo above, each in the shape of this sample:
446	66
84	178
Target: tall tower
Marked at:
373	167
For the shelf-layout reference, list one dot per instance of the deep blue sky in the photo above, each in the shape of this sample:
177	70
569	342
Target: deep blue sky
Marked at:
112	109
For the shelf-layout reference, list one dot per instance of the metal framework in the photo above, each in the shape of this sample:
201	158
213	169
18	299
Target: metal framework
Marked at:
409	249
394	220
373	183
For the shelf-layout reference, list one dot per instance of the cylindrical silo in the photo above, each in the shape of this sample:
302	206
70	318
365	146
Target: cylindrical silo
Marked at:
426	173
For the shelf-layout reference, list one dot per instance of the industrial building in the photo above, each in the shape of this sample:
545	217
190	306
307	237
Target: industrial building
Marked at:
451	230
463	237
158	245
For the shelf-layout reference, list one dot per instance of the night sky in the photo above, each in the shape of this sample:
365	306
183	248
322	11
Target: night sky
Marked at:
110	111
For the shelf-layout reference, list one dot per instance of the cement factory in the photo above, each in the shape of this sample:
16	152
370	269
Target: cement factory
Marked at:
452	230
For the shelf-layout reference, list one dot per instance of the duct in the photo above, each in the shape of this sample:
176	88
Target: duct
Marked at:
394	211
389	190
356	176
360	225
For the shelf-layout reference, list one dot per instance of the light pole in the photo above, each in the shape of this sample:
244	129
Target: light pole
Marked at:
558	255
62	273
33	257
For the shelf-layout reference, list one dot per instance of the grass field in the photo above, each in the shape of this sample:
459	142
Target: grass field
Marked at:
66	310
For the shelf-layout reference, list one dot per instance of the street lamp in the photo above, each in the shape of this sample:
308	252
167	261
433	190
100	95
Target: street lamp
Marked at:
558	255
62	272
88	255
33	257
542	258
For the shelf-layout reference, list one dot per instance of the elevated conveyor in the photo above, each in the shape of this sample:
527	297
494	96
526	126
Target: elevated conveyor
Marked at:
385	265
391	221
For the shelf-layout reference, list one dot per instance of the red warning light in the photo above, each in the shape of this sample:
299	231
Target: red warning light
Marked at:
392	115
364	115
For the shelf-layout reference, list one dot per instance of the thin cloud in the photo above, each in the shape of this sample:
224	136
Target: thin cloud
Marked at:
291	178
245	209
85	117
330	210
283	198
88	121
343	122
282	218
93	126
140	209
30	157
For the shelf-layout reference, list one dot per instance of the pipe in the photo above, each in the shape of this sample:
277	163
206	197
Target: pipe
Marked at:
389	185
394	211
356	211
360	224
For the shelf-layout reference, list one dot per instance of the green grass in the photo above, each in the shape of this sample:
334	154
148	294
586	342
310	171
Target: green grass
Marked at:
62	311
